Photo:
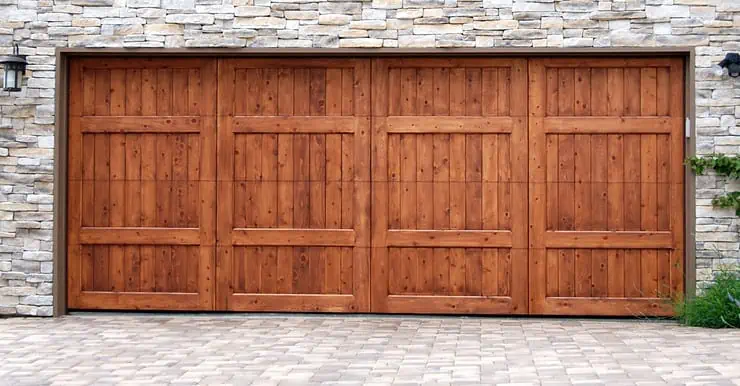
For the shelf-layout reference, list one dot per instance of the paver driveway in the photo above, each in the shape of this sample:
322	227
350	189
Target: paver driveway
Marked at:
303	349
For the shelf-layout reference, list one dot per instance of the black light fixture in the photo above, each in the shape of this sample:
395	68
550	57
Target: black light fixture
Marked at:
14	66
732	63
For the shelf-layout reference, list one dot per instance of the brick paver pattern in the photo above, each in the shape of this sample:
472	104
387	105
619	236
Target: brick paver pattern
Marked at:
318	349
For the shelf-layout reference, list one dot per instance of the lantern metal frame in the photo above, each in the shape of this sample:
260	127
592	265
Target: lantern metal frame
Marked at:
15	66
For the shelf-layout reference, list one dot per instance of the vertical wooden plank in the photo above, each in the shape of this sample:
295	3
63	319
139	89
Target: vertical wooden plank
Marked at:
632	273
334	91
615	91
649	273
441	91
268	270
195	94
473	271
395	272
489	274
566	91
148	207
489	149
457	271
552	160
632	168
163	254
409	270
180	78
648	183
268	186
348	97
88	91
615	273
664	273
285	182
425	91
615	186
566	185
504	181
599	178
269	90
284	271
285	92
648	91
663	187
117	92
632	93
301	275
599	90
317	174
101	280
599	273
102	92
117	192
302	92
552	88
301	192
333	181
504	91
408	181
584	182
346	271
394	92
566	269
457	181
583	269
441	177
425	184
441	271
457	91
582	91
553	274
473	92
473	176
133	215
662	91
505	275
347	184
253	267
332	270
148	91
489	103
394	184
164	91
408	91
425	271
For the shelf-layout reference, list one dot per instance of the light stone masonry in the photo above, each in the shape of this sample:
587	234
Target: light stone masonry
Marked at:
40	26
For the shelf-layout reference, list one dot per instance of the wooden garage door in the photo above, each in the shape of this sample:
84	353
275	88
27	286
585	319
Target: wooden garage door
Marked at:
449	173
141	209
294	186
606	185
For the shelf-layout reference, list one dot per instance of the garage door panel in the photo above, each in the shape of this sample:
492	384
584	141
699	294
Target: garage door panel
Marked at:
606	178
444	178
295	185
141	183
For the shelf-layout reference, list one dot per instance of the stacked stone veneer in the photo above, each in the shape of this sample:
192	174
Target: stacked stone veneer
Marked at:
40	26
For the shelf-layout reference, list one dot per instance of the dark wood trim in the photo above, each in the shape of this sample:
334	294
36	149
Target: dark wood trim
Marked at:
61	122
59	287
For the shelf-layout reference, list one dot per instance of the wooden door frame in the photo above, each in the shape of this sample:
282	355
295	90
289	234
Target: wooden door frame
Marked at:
63	56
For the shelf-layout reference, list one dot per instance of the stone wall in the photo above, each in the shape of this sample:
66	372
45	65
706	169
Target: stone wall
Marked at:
40	26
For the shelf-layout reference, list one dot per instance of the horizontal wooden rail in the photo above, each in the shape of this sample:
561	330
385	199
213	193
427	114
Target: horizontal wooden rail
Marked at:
292	302
273	124
140	236
147	124
619	239
448	238
609	125
296	237
454	124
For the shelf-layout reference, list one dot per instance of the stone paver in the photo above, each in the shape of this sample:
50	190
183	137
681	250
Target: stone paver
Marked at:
306	349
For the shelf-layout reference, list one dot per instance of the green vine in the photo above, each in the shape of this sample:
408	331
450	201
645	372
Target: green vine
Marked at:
722	165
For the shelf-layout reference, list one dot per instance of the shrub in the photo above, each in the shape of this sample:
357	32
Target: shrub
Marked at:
717	307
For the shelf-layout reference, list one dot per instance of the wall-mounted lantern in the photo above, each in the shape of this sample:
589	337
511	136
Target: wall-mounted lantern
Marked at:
14	66
732	63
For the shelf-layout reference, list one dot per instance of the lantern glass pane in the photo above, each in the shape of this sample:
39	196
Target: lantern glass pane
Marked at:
9	78
18	79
